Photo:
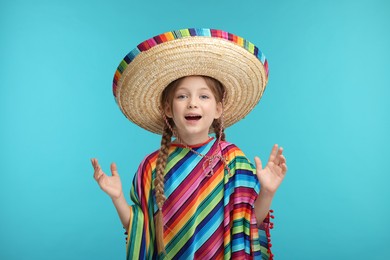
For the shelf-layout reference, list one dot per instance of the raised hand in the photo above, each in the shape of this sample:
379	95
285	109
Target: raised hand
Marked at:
109	184
273	173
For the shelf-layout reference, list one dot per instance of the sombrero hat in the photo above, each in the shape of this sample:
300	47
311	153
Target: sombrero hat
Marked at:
144	73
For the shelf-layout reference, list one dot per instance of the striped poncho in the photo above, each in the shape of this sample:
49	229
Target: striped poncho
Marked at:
205	216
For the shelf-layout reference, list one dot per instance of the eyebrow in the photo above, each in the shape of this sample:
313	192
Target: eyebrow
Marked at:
186	88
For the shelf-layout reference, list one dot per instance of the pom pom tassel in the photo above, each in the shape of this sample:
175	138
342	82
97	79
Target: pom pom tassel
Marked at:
126	234
270	225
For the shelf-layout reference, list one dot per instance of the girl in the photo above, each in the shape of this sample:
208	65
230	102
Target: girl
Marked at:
197	197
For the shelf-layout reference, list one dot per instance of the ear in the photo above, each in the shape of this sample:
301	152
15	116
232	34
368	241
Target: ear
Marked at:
168	110
219	110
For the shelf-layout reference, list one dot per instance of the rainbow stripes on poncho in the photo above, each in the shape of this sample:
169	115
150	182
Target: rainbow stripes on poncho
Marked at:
205	217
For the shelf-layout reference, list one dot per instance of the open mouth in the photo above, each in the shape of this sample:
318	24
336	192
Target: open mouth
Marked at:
193	117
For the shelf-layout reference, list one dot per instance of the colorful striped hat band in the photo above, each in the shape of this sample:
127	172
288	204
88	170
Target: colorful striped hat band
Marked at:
144	73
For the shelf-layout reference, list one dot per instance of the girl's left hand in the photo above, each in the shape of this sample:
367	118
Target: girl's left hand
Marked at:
273	173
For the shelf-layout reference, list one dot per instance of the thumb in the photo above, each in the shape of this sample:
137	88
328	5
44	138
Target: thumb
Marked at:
114	170
259	166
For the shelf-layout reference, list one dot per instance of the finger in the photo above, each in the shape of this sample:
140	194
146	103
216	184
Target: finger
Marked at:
280	151
274	151
98	171
114	170
100	179
278	159
282	159
284	168
258	163
97	174
93	163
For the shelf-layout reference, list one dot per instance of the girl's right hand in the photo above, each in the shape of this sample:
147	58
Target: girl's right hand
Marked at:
109	184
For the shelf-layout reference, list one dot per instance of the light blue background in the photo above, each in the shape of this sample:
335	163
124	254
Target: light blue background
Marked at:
327	104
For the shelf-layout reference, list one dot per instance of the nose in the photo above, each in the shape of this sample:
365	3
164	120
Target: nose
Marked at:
192	103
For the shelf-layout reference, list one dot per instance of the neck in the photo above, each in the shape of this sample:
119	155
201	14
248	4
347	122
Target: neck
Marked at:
192	139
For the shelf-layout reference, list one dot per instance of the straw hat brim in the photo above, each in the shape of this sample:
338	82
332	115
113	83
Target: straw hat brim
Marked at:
139	86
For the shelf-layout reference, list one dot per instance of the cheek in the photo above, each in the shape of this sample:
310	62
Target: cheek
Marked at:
216	111
212	108
176	108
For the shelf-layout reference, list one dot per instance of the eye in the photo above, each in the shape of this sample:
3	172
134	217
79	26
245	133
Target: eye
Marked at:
204	97
181	96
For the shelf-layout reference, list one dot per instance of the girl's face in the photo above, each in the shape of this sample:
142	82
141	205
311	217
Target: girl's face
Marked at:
193	109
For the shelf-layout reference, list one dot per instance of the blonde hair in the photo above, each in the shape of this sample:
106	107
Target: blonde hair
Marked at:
166	100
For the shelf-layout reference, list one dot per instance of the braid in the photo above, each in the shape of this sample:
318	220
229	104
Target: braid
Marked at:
159	186
219	130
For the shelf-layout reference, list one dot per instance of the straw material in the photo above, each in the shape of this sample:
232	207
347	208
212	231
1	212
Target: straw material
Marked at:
146	71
